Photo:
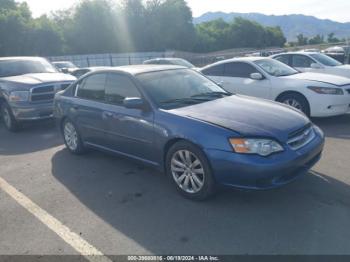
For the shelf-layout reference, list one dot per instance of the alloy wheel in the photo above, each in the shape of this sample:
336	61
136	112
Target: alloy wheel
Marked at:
187	171
293	103
71	136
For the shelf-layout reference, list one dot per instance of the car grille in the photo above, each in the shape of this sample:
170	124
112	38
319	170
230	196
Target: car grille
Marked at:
46	93
301	138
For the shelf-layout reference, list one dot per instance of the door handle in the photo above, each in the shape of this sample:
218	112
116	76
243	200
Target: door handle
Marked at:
107	114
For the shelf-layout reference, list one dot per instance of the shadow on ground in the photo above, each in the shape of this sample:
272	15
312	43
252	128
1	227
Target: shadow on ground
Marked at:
310	216
32	137
335	127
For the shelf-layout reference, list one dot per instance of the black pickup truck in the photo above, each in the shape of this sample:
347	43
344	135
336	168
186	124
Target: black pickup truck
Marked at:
27	89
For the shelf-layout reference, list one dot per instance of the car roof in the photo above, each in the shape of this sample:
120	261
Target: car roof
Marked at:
56	62
24	58
138	69
165	59
297	53
239	59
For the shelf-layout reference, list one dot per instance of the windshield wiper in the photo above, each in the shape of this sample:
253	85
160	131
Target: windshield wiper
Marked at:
183	101
212	94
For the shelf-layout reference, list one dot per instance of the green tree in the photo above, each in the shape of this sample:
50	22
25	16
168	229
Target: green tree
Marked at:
332	39
92	28
14	25
316	40
302	40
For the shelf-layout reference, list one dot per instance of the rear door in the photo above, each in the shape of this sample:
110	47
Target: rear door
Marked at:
129	130
217	74
285	59
88	109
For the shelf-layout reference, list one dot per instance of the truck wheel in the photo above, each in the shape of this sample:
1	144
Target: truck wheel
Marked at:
10	122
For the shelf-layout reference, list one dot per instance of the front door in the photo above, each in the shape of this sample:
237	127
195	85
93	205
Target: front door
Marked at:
130	130
238	74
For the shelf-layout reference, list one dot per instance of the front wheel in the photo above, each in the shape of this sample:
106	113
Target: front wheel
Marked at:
72	138
10	122
297	101
189	170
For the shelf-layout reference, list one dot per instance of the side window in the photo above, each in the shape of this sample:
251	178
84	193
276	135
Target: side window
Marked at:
93	87
217	70
238	69
119	87
283	58
301	61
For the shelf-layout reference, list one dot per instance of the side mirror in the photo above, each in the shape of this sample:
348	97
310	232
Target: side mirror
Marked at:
256	76
316	66
133	103
64	70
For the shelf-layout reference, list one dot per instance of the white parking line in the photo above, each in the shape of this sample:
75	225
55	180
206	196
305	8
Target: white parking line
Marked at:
79	244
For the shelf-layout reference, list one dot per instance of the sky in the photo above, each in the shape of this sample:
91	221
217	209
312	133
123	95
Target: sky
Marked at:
337	10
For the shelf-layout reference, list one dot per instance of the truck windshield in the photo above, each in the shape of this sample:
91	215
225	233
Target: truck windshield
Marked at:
16	67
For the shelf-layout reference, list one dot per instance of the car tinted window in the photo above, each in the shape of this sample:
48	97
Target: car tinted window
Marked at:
119	87
93	87
217	70
301	61
325	60
283	58
239	69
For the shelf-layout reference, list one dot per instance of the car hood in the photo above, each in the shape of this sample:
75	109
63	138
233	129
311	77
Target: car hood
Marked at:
248	116
321	78
36	79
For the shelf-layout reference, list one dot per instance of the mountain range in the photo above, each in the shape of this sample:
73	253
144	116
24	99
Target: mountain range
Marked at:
291	25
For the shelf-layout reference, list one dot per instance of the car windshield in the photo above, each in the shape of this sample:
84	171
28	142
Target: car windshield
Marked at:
275	68
182	62
178	88
325	60
18	67
64	65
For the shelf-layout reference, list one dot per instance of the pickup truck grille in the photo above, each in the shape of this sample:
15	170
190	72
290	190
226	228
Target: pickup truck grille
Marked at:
301	138
46	93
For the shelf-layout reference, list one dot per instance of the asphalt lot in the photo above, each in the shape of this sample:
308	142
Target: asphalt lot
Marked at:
122	207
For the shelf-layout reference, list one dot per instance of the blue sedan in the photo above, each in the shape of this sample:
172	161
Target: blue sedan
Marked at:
179	121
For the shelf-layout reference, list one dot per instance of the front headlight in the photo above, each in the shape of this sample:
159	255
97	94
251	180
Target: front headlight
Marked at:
19	96
327	90
262	147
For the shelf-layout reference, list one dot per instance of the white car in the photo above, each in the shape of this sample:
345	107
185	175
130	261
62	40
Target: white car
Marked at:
314	62
317	95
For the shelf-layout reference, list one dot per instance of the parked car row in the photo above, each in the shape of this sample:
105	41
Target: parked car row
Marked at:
205	128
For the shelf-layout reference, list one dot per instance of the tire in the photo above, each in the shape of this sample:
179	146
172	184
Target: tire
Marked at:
188	163
72	138
297	101
8	118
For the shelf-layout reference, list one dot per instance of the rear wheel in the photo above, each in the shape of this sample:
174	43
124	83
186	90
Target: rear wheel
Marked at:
188	168
72	138
10	122
297	101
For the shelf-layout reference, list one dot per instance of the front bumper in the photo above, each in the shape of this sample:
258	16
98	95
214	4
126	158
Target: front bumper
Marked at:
330	105
31	111
256	172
